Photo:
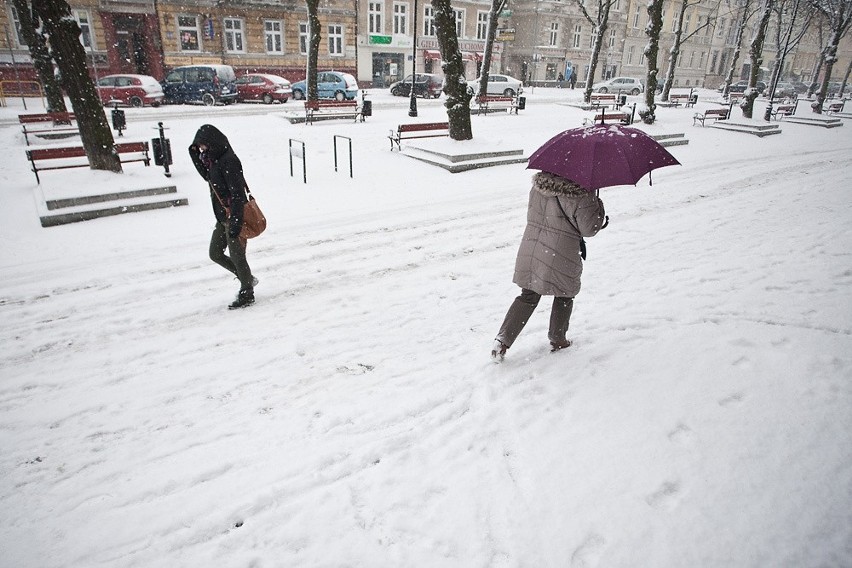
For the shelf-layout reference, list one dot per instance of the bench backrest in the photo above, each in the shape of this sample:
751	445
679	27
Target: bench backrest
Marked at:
424	126
314	105
603	96
835	106
716	112
79	151
493	99
46	117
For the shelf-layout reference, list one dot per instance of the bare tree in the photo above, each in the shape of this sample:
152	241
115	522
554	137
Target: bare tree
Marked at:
652	51
838	14
679	40
817	68
458	97
496	7
745	15
845	80
792	19
599	24
313	50
756	58
63	34
42	61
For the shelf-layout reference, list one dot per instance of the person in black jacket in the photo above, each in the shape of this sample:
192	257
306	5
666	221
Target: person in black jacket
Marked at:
217	163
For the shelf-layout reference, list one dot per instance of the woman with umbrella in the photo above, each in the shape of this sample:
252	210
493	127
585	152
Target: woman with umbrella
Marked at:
563	209
549	263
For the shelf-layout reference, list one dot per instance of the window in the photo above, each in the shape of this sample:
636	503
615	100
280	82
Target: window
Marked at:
691	60
617	6
17	23
400	18
234	35
686	23
82	19
630	54
374	17
637	17
701	59
335	39
274	38
428	21
188	33
554	34
481	25
459	14
713	59
674	21
612	38
303	37
578	31
721	31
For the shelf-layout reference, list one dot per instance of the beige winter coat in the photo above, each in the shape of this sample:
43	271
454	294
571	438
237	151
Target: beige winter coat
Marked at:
549	257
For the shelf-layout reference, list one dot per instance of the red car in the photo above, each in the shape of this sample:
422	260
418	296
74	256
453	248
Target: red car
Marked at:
133	90
263	87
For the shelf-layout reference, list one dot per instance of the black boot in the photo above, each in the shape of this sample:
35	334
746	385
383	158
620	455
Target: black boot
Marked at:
244	298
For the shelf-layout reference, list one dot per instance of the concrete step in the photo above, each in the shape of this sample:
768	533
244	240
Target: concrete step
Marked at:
753	128
671	139
455	163
824	122
88	215
54	204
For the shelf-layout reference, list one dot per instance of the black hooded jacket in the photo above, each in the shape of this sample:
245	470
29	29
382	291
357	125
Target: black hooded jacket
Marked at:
220	166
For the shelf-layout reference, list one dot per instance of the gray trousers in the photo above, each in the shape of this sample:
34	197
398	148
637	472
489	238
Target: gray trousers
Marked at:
236	263
523	307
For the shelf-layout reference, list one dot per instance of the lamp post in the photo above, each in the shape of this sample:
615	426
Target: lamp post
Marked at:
412	105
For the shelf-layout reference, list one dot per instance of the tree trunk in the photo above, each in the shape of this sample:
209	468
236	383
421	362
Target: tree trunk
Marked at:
756	57
736	57
830	58
496	7
845	80
593	61
652	51
313	50
64	37
458	97
674	52
40	55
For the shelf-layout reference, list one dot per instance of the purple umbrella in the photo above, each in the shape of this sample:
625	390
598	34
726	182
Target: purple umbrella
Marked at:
601	156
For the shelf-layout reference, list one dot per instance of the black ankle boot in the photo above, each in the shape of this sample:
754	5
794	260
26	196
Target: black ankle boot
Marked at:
244	298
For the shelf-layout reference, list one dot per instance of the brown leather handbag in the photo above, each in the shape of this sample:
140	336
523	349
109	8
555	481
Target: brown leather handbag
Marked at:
254	221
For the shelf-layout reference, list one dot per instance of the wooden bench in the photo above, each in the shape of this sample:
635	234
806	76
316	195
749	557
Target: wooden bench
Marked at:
498	103
686	99
609	116
422	130
127	152
714	113
781	111
835	107
603	100
58	124
332	109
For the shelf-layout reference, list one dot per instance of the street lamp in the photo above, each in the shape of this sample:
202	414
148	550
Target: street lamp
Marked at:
412	105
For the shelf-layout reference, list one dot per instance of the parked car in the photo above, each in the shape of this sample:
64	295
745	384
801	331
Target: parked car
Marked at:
133	90
263	87
833	89
331	85
741	86
619	85
206	84
427	85
499	85
786	90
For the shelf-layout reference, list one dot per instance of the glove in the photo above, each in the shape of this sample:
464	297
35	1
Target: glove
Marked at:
606	222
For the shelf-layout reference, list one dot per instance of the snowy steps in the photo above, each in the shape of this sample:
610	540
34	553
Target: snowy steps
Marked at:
463	162
823	121
673	139
754	128
86	208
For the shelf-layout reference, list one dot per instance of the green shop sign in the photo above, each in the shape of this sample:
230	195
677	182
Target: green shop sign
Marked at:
380	39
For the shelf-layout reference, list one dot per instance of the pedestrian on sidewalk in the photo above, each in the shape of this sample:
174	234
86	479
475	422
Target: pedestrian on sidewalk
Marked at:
550	259
217	163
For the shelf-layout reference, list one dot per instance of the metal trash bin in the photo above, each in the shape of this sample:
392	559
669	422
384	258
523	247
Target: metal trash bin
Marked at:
367	108
162	151
119	121
522	103
622	100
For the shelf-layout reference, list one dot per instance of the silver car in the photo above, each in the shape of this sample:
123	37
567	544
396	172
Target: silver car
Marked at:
619	85
499	85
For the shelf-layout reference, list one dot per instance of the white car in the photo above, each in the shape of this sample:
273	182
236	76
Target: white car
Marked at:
499	85
619	85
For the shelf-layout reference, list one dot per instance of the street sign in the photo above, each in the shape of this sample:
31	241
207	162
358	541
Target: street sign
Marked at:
505	34
376	39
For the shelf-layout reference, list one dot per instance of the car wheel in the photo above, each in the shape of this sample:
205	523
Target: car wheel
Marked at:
603	90
136	102
298	95
339	96
634	92
208	99
396	92
508	93
267	98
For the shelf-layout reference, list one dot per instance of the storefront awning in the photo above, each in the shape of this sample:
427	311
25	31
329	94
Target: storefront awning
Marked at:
468	56
431	54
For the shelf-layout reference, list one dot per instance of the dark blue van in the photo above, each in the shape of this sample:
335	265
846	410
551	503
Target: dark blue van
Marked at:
206	84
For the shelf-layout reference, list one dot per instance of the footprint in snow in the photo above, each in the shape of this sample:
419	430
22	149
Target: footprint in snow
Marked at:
667	496
588	554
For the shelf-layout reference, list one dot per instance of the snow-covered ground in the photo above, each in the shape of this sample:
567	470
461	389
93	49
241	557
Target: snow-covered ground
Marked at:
352	417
